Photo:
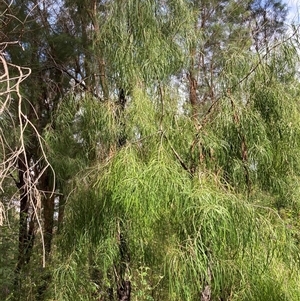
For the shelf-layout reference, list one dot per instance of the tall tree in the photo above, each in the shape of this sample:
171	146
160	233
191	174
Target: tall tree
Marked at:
154	200
267	22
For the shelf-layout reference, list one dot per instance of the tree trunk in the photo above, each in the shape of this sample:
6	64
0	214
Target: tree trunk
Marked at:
26	219
123	286
193	95
48	206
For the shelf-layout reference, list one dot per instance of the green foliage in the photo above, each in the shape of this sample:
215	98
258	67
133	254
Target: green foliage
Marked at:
8	239
184	204
139	43
186	232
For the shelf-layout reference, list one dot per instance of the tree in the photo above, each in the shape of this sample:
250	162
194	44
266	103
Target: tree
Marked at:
153	199
268	22
222	27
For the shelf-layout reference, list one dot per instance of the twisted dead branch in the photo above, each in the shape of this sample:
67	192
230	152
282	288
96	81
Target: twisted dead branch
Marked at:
13	157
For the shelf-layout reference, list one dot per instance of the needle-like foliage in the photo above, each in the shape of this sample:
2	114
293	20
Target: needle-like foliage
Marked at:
172	128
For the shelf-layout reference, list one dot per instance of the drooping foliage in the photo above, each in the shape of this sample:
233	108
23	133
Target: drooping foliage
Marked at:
172	133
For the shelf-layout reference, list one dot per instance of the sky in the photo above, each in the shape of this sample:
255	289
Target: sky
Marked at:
294	11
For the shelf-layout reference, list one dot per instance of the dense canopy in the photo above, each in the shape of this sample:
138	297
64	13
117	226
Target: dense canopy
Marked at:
149	150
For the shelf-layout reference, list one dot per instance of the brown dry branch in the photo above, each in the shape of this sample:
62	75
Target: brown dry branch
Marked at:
10	154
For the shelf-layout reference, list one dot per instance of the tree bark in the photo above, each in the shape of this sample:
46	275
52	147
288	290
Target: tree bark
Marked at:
124	286
48	206
26	219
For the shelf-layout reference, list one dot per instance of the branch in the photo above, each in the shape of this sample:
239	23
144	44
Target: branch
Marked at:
184	166
77	81
210	109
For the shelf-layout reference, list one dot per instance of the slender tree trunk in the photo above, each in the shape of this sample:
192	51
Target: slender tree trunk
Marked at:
26	219
48	206
123	285
100	59
103	80
120	118
193	85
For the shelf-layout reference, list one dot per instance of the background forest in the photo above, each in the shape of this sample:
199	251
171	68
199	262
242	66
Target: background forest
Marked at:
149	150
